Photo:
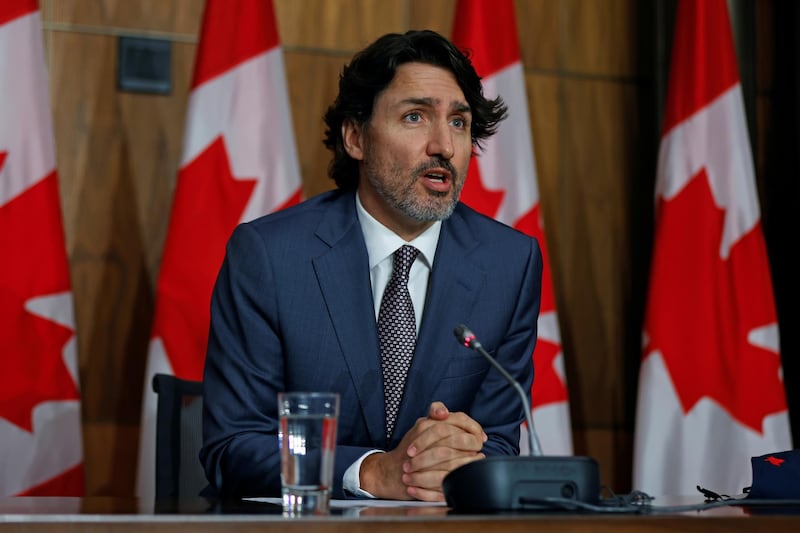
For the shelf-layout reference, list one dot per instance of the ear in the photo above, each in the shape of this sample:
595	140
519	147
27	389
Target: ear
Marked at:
353	139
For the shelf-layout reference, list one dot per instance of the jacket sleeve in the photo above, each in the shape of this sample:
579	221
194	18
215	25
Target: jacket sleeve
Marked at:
243	374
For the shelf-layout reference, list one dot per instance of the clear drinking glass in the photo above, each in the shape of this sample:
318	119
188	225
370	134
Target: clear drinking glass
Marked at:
307	439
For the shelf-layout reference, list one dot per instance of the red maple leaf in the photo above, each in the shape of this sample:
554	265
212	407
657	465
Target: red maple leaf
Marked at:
208	205
530	224
549	387
702	308
34	264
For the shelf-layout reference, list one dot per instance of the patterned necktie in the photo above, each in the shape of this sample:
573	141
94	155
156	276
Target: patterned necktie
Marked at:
397	332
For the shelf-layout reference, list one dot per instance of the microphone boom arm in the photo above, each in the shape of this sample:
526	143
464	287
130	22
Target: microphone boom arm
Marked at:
468	339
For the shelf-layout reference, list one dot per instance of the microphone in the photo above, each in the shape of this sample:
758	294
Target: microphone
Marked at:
519	483
468	339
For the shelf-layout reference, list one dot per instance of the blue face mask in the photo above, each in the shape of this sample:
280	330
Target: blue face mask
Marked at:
776	476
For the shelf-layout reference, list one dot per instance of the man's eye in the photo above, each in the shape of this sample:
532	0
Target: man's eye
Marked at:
413	117
459	123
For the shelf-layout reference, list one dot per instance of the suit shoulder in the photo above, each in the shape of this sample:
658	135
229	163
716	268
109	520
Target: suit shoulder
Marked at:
486	227
298	217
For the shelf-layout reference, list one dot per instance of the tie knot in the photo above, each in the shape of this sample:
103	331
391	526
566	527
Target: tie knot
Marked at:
403	259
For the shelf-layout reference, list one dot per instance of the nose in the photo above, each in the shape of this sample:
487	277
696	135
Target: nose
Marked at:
441	142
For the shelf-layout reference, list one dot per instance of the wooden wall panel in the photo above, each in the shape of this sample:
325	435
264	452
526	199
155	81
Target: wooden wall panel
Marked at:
437	15
117	154
152	165
110	457
313	84
597	35
764	81
598	142
545	119
155	16
340	25
600	85
538	26
613	451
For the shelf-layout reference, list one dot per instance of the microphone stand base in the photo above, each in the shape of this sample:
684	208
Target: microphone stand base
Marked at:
520	483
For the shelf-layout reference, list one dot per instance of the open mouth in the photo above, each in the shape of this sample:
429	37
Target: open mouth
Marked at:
438	179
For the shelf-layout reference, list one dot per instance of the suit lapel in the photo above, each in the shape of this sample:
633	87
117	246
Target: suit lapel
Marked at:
343	276
453	289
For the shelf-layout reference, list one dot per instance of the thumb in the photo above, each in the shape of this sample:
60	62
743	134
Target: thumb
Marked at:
438	411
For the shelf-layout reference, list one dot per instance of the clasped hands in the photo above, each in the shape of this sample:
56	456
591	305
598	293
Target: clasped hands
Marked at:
432	448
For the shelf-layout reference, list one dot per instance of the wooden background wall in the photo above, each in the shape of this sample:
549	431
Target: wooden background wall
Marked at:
594	75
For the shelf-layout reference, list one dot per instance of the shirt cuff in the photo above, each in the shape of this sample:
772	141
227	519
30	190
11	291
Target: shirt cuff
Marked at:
352	480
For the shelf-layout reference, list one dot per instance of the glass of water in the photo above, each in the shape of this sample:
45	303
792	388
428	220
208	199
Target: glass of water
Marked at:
307	439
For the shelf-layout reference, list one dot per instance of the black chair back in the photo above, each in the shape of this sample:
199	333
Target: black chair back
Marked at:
179	437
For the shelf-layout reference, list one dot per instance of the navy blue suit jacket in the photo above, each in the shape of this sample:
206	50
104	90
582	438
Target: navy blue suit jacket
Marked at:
292	309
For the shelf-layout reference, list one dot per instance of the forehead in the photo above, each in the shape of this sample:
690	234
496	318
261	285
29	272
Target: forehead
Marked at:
424	81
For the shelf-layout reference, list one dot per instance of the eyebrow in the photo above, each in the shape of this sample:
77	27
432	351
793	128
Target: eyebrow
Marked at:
461	107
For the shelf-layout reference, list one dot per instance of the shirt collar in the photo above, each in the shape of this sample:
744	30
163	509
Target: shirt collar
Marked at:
382	242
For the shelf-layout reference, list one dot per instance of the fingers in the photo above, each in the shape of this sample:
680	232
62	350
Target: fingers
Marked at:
435	440
464	422
426	495
457	430
440	458
381	475
432	448
436	448
427	484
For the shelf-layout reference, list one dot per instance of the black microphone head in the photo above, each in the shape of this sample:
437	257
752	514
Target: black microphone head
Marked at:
461	332
465	336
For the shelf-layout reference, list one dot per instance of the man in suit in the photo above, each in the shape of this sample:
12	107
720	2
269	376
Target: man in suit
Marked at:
297	304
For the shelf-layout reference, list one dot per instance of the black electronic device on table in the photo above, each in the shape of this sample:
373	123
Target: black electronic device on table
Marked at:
519	483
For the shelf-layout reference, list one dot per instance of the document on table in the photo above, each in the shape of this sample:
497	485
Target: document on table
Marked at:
347	504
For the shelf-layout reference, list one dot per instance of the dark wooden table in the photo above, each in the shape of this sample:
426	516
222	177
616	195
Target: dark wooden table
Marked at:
200	515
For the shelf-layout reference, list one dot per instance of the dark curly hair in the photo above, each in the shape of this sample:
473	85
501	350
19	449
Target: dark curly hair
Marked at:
373	69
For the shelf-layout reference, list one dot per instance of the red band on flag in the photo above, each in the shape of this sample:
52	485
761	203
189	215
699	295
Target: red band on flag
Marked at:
251	21
488	29
68	483
13	9
703	63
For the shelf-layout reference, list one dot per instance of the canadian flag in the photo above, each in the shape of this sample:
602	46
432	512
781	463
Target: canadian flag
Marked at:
239	162
41	447
711	393
502	184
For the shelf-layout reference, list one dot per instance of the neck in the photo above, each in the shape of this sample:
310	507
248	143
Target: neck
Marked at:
405	227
